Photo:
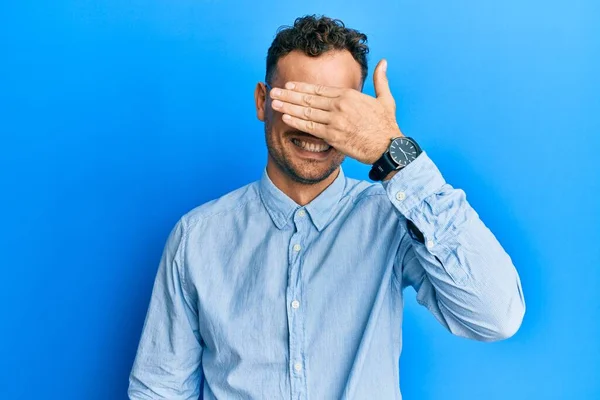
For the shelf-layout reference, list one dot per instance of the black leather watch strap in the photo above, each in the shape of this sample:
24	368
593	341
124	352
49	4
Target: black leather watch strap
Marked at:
382	167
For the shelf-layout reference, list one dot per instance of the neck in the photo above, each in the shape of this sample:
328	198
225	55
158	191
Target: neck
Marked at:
301	193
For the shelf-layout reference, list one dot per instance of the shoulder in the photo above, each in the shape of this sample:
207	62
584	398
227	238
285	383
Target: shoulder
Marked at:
364	191
224	206
369	198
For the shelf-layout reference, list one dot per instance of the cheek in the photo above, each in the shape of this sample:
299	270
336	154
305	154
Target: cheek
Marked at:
277	132
278	127
273	114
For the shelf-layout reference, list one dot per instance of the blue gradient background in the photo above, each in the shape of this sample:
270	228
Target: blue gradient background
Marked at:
118	117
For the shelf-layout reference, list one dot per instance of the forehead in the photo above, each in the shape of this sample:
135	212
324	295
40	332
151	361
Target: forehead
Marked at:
333	68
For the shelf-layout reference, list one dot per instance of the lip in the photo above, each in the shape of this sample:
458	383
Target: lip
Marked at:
309	154
309	139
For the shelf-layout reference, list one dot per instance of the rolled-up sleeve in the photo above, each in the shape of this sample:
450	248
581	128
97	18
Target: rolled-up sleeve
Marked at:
459	270
168	360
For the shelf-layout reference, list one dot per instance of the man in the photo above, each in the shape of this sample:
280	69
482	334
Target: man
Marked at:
291	287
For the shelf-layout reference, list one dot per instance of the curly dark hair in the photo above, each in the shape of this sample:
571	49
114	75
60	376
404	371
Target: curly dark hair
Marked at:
314	36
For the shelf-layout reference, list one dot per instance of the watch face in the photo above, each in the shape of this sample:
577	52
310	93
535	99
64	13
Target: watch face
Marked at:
403	151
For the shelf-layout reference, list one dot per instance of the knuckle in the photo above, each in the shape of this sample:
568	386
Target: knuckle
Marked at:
308	112
343	103
337	121
308	99
319	89
335	136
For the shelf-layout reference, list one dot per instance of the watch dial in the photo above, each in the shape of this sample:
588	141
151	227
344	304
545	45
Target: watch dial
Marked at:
403	151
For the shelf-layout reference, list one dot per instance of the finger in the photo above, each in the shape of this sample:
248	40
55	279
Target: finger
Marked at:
303	99
320	90
314	128
382	86
306	113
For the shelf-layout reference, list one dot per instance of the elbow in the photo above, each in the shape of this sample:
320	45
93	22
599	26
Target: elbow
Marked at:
511	324
502	321
509	321
490	327
508	325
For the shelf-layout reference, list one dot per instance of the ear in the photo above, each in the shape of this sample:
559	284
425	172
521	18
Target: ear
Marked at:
260	98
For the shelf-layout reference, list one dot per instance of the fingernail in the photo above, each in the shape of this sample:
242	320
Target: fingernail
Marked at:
277	103
276	92
290	85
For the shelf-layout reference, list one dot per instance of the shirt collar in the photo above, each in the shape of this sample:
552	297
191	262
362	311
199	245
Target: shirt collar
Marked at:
280	207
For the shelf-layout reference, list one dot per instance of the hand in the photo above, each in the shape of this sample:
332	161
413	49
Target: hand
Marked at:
354	123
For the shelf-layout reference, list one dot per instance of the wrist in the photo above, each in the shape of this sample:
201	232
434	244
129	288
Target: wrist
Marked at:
384	146
401	151
390	175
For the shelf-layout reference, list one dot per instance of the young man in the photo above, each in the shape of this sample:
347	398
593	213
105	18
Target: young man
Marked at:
291	287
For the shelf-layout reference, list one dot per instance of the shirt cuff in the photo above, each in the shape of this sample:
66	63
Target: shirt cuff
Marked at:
413	183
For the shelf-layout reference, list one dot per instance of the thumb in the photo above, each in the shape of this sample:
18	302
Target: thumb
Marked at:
382	87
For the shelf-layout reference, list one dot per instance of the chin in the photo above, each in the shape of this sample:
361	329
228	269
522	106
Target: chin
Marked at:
311	174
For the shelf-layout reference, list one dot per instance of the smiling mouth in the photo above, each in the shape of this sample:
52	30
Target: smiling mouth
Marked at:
312	147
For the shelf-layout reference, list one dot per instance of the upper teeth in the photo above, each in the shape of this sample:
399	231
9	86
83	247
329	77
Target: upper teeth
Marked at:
311	146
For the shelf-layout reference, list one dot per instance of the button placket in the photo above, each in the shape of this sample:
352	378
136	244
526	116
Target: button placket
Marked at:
296	249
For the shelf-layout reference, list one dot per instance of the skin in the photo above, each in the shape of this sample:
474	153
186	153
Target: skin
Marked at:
319	100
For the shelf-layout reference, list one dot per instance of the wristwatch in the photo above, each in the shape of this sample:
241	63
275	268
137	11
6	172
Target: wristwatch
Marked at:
401	152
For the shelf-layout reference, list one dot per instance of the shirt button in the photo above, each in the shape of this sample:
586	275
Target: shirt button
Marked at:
301	213
297	247
400	196
298	367
295	304
429	244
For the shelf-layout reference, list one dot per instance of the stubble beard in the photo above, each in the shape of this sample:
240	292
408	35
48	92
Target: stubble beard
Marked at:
295	172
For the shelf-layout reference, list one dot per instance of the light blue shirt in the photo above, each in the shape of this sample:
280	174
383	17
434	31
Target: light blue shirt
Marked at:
257	297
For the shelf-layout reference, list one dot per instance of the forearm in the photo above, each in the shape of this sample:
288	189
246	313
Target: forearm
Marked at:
460	271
